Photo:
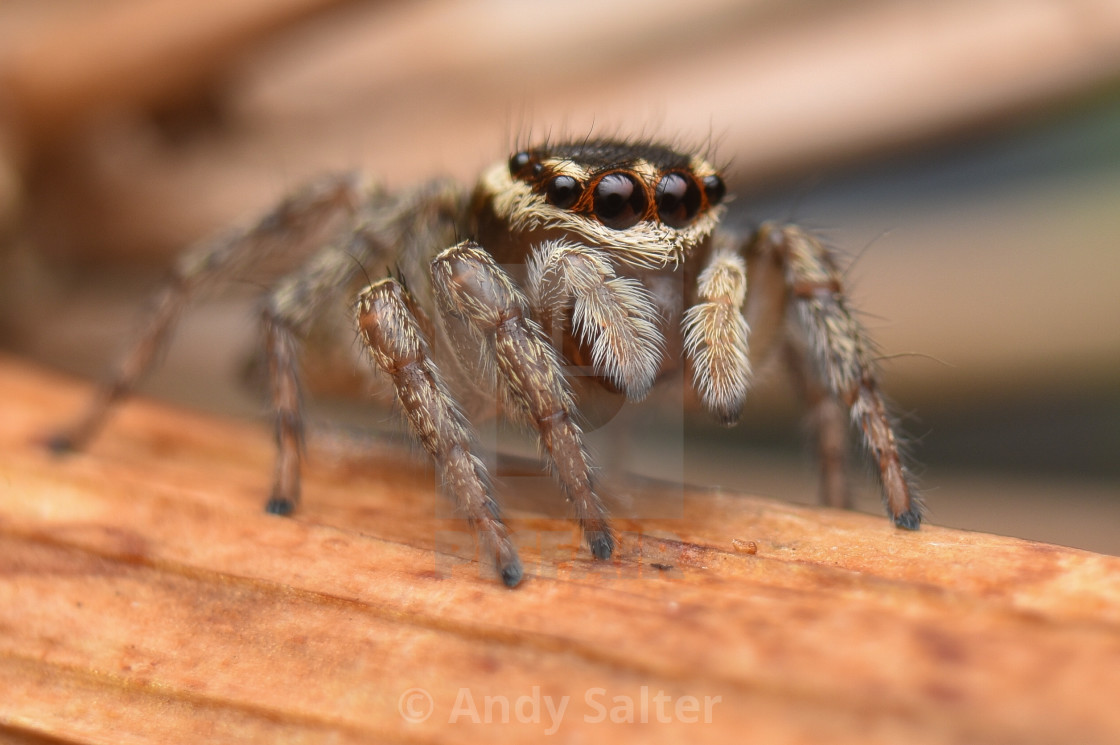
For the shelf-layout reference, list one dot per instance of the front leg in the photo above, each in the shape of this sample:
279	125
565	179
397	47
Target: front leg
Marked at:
715	336
388	323
473	289
614	315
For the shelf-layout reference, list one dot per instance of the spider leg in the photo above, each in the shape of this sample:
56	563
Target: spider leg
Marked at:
288	312
715	335
765	310
299	298
827	424
199	267
391	325
472	289
614	314
838	364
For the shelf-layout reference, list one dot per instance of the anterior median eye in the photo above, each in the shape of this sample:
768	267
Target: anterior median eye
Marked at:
678	199
563	192
619	200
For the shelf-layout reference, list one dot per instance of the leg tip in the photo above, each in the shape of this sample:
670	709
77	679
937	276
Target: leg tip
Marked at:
511	572
280	506
601	544
60	444
909	520
728	417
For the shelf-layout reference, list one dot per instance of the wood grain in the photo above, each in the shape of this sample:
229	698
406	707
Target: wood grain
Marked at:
64	74
146	597
786	88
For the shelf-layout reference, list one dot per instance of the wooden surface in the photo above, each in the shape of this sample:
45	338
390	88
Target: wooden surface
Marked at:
65	64
145	597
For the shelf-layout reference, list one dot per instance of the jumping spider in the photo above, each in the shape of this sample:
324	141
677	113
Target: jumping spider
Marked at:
598	253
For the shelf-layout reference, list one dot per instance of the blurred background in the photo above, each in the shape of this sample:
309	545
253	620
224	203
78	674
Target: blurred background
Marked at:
964	154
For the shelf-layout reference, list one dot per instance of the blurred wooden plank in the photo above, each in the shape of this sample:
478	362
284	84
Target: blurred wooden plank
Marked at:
144	596
416	90
65	66
411	90
782	87
128	55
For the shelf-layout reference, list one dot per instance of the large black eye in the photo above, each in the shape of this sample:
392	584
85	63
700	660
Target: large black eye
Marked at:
563	192
678	199
619	201
714	189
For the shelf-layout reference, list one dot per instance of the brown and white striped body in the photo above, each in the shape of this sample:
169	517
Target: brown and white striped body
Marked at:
600	255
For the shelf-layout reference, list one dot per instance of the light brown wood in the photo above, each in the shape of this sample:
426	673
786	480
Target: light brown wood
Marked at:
406	91
127	56
784	88
145	597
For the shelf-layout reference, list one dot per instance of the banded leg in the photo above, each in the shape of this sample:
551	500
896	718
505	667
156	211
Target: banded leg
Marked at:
471	288
614	314
314	291
388	323
827	425
281	348
840	357
289	311
715	336
716	330
210	261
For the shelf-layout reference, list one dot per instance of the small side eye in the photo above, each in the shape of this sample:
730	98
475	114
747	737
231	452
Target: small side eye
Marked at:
523	164
678	199
619	201
714	189
563	192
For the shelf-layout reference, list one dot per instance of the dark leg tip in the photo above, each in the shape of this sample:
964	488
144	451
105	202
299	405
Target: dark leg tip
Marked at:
280	506
511	572
909	520
601	543
729	416
60	444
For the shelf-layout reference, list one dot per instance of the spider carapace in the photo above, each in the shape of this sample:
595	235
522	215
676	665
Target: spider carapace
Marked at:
600	255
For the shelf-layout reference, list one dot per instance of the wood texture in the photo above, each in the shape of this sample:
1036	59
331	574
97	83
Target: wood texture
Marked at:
145	597
129	56
785	88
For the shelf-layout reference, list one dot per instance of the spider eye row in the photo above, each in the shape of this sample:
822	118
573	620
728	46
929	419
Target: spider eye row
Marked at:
563	191
619	199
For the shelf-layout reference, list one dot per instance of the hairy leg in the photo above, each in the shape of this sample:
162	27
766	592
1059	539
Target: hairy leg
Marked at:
391	326
715	336
317	289
765	311
287	315
841	361
199	267
474	291
615	315
828	426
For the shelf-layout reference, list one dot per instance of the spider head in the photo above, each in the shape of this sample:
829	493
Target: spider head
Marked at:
646	204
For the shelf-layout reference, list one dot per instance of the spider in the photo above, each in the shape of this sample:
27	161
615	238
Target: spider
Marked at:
604	254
